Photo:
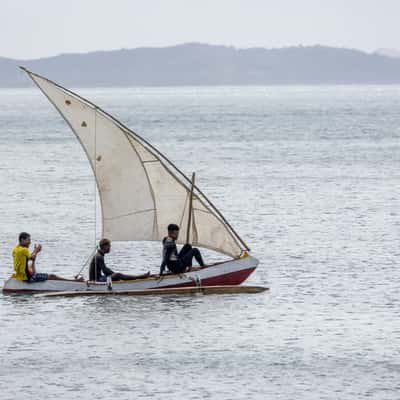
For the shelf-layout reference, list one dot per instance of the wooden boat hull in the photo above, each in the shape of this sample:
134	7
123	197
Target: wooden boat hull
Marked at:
232	272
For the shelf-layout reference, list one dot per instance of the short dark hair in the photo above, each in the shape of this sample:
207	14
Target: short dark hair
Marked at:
24	236
173	227
104	242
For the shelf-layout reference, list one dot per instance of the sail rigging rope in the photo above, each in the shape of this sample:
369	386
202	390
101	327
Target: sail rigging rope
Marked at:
86	262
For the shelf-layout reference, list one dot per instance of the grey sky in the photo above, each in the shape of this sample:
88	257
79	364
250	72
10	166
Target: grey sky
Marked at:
30	29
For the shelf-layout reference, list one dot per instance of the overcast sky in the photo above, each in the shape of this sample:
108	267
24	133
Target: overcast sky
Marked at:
37	28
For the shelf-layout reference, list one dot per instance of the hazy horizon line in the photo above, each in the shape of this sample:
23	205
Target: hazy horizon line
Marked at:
196	43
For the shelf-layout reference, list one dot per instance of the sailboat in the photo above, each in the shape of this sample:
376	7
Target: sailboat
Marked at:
140	193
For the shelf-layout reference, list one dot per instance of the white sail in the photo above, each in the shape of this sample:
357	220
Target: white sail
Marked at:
140	191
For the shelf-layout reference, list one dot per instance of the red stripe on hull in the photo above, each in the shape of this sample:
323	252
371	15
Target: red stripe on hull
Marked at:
231	278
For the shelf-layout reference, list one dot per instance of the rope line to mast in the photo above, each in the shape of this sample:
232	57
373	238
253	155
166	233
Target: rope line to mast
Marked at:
86	262
92	254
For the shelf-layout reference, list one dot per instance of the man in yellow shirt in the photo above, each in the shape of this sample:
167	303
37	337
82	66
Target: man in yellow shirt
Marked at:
21	256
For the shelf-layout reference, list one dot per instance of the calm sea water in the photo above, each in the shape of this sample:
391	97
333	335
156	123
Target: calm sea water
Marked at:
309	176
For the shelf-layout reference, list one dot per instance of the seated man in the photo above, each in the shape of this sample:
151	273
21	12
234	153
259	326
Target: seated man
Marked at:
98	271
178	263
21	255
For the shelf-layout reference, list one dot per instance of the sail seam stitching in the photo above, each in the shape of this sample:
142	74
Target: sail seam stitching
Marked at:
132	213
155	220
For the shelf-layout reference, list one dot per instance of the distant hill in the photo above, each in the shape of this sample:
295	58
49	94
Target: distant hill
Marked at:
202	64
388	53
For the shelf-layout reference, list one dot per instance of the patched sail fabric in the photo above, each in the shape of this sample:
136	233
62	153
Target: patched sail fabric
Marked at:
140	191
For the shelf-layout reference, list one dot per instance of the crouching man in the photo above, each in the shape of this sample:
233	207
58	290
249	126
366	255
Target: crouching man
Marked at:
178	263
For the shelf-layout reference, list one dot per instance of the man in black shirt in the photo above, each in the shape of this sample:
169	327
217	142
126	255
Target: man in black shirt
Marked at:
178	262
98	271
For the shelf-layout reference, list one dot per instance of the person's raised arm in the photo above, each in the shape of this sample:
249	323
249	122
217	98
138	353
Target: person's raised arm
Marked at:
167	254
36	250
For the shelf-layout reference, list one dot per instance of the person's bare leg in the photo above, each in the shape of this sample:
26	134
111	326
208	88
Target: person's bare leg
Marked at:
117	276
54	277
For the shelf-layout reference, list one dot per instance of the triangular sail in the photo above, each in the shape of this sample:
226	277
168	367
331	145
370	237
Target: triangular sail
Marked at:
140	191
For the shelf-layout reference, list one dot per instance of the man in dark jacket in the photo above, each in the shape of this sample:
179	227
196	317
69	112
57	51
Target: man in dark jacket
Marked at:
98	271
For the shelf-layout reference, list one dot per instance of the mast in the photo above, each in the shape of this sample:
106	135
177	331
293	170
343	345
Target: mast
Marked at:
190	210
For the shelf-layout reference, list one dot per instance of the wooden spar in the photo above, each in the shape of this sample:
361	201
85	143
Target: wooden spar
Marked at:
157	292
190	210
143	141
